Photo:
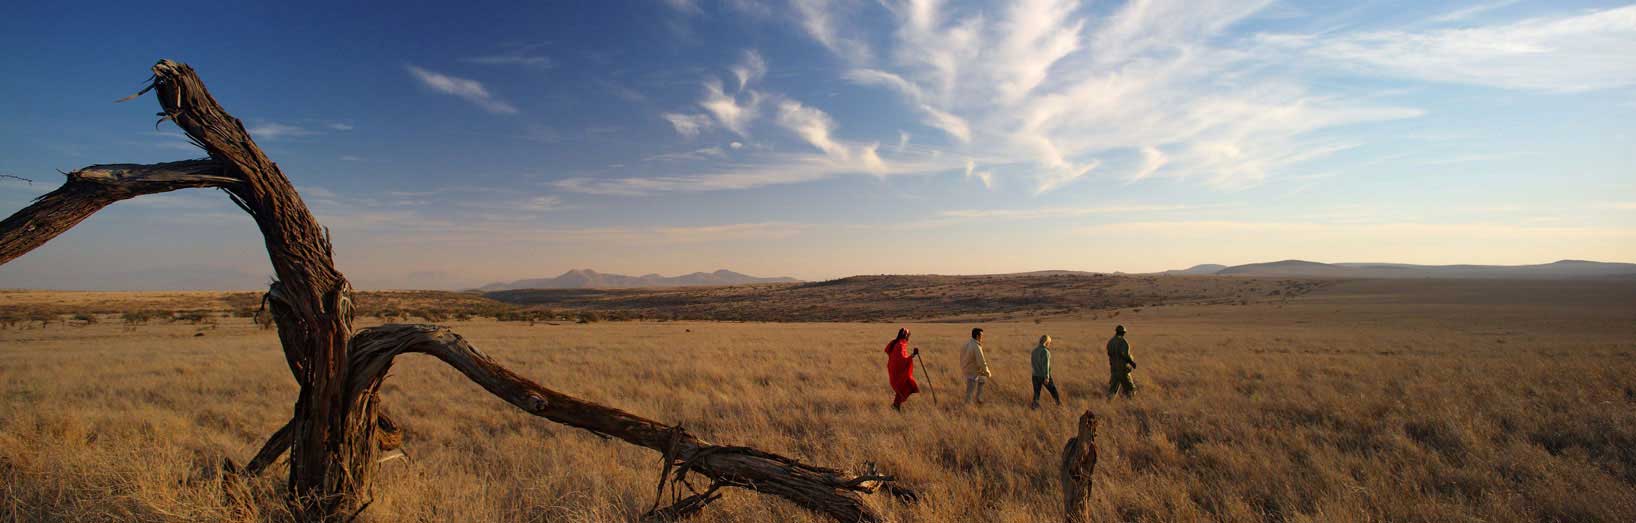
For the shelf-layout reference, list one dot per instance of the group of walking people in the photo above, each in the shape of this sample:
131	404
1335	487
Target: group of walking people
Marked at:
900	368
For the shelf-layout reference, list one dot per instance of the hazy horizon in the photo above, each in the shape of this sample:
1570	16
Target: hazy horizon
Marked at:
451	148
203	278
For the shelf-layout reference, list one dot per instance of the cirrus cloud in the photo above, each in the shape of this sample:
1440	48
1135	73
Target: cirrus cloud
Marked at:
465	89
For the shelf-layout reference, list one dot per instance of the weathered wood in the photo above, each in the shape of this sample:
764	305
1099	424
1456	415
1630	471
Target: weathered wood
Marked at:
682	509
328	465
389	437
831	492
91	189
1078	465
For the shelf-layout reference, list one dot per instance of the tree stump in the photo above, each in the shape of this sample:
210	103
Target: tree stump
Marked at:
1078	463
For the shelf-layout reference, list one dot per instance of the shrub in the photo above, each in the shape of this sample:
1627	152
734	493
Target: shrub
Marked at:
136	317
194	317
41	316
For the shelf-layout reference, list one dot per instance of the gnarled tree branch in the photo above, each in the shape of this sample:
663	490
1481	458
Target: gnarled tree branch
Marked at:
831	492
90	189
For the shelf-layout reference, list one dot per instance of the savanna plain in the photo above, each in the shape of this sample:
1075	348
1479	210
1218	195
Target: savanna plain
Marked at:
1361	400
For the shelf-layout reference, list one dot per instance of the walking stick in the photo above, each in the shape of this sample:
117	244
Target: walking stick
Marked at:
929	388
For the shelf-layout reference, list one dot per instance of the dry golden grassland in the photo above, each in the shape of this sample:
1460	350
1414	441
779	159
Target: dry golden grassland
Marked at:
1363	401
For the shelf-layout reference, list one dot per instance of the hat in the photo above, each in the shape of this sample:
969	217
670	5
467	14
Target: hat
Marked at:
1119	330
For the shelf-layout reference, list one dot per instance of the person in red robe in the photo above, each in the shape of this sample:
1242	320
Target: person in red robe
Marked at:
900	368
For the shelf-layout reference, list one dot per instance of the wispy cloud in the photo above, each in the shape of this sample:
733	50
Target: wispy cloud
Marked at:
1471	11
751	69
702	153
818	19
1047	91
468	90
983	176
685	6
765	169
1412	230
731	232
733	111
518	59
1589	50
1061	212
1152	160
278	131
688	125
955	126
1053	92
812	125
529	205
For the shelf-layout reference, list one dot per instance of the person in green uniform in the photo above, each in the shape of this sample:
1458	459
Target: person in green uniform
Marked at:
1120	365
1041	360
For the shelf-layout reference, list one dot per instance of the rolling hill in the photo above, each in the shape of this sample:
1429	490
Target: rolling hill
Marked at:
1564	269
1203	269
589	279
890	297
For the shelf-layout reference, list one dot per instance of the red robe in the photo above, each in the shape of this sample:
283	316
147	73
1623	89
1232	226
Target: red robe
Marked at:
900	369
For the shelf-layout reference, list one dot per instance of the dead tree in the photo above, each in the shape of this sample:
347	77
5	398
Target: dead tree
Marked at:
338	424
1078	463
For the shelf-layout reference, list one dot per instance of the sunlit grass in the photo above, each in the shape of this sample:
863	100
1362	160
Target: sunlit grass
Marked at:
1314	411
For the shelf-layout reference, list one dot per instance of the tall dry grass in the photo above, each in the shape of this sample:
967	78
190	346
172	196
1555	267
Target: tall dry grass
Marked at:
1350	408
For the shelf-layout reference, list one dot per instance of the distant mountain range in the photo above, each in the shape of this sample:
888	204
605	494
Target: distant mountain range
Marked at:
1308	269
1201	270
589	279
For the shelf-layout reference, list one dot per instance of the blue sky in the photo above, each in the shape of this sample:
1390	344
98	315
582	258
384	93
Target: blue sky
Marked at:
451	146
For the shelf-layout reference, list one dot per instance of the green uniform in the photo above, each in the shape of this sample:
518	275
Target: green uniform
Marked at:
1119	366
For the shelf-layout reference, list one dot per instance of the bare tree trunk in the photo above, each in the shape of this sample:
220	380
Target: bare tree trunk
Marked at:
1078	463
338	423
315	303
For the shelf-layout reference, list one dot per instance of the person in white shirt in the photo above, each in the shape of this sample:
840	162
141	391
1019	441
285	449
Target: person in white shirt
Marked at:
975	367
